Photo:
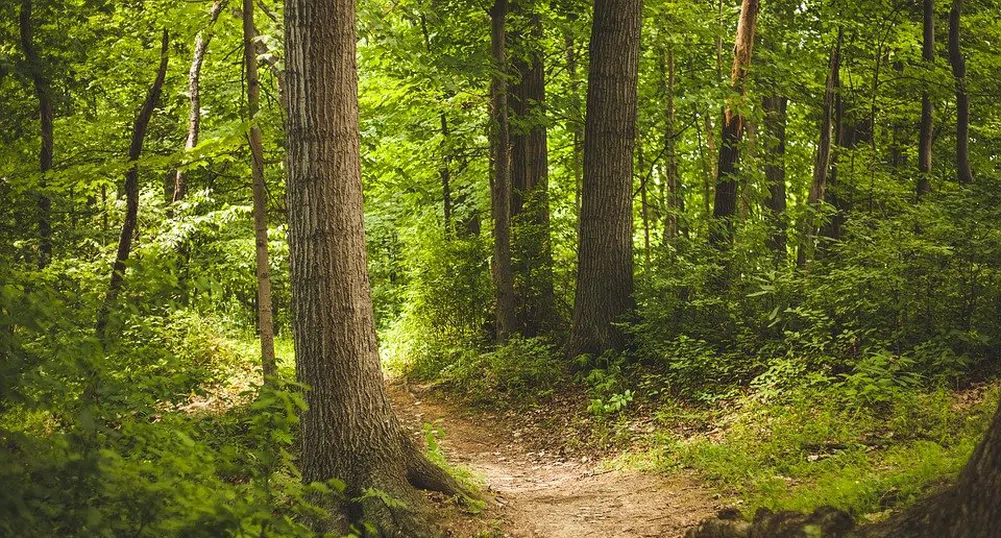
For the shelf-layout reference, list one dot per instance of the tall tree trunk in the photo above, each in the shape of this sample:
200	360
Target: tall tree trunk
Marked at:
822	164
132	191
725	201
775	107
674	202
194	93
605	255
927	111
500	188
532	244
46	118
349	431
963	172
264	316
644	204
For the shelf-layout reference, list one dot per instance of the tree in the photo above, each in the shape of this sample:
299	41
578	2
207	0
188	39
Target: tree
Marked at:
725	201
46	116
675	202
605	255
349	431
927	131
822	164
194	93
532	248
265	324
500	188
775	107
132	191
963	172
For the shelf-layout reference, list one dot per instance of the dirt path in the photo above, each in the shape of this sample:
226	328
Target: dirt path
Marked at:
538	495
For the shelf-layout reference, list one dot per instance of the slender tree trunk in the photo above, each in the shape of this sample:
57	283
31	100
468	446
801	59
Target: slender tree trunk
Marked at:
577	134
644	205
674	201
533	255
194	93
132	191
775	108
46	117
927	110
725	201
444	170
963	172
264	315
605	255
822	164
349	431
503	273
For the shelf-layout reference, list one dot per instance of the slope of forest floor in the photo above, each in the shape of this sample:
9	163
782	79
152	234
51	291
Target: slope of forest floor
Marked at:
557	493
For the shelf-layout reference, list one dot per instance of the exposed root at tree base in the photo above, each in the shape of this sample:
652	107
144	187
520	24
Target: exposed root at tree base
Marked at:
537	495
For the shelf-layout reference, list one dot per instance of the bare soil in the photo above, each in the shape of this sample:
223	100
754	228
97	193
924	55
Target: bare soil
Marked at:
534	494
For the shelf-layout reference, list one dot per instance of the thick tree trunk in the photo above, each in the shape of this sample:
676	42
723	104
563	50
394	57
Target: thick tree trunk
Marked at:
963	172
725	201
349	431
532	246
927	133
500	188
46	118
194	93
605	255
132	191
775	108
674	204
265	323
822	164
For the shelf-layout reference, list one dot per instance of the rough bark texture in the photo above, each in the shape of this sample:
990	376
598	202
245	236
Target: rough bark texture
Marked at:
132	191
822	164
927	133
725	201
46	118
194	93
349	431
964	174
532	247
265	324
500	185
775	108
605	255
675	203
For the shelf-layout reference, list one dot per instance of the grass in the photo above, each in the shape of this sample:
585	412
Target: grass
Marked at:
814	447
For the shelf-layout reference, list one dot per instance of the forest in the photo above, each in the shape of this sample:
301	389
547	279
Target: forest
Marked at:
500	268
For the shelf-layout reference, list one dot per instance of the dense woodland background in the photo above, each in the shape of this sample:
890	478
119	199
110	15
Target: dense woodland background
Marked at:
795	279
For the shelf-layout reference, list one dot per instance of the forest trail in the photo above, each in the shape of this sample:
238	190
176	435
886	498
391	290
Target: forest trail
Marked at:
539	495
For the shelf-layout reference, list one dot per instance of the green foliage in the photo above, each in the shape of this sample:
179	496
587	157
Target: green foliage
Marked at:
522	369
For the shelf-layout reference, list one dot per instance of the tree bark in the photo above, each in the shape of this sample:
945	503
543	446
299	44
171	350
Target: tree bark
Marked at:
532	247
265	322
927	133
132	191
194	93
349	431
46	117
500	188
605	255
964	174
775	107
725	201
822	164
